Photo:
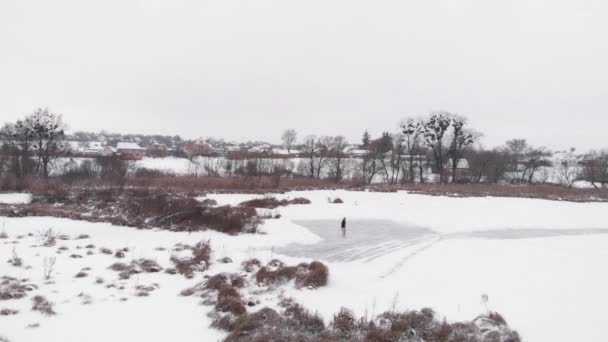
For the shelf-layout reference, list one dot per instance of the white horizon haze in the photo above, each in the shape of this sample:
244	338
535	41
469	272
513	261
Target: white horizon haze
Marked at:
247	70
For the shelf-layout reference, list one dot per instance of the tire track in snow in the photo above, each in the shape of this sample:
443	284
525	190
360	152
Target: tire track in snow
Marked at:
403	260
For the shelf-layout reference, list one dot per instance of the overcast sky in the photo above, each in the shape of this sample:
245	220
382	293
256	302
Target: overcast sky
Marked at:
536	69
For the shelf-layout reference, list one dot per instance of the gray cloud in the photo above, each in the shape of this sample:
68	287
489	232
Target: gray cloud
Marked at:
248	69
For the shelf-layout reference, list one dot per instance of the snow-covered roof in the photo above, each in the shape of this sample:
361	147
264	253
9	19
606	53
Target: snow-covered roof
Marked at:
357	151
128	146
282	151
95	145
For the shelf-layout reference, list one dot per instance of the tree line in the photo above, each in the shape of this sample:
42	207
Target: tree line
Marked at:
440	147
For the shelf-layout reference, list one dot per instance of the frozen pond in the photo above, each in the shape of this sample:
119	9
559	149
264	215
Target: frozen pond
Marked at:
525	233
369	239
365	239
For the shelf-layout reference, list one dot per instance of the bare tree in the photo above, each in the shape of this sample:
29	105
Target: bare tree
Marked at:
373	160
487	166
413	131
17	140
595	168
392	160
323	150
310	150
365	140
567	173
517	148
461	138
114	170
48	134
435	137
337	155
534	159
289	138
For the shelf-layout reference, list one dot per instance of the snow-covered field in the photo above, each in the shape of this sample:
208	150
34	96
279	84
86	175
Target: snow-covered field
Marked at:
541	263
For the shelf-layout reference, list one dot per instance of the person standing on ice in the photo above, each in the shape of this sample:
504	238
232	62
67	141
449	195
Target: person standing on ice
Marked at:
343	225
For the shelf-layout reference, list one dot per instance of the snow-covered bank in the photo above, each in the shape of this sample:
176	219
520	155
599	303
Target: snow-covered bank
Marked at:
162	316
538	284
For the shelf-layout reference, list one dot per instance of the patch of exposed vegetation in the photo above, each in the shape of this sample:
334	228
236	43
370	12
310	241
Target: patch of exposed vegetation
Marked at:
311	275
43	305
13	288
295	323
199	261
140	208
135	267
272	202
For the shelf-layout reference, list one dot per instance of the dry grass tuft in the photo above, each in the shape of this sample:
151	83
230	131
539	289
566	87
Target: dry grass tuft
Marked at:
311	275
198	262
135	267
42	305
13	288
315	276
251	265
8	312
272	202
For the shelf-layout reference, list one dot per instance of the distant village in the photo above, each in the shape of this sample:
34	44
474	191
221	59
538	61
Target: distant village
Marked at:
136	147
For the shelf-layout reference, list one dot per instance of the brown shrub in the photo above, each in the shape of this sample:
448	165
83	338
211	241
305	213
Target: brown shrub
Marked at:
12	288
344	323
300	200
228	291
135	267
272	202
43	306
8	312
143	208
337	200
315	276
225	260
81	274
312	275
296	324
229	300
301	320
281	275
221	280
209	202
250	324
251	265
198	262
119	267
266	202
105	251
217	281
148	265
223	322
